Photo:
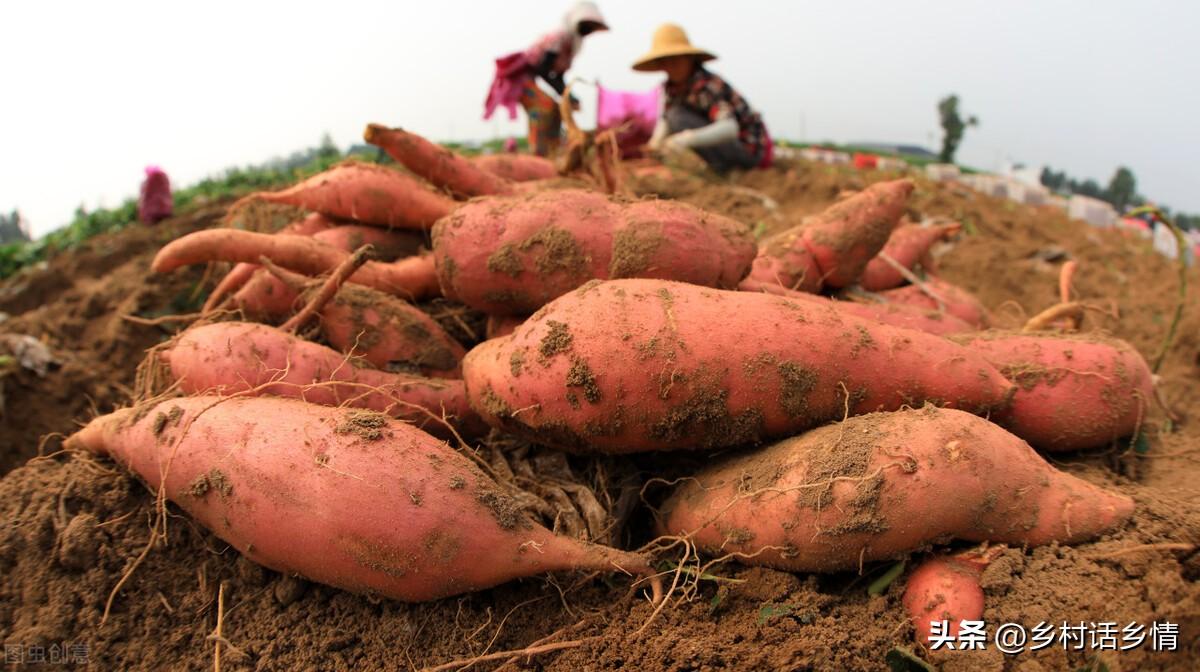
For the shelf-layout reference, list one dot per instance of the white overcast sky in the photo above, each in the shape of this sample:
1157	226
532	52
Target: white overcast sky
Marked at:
92	92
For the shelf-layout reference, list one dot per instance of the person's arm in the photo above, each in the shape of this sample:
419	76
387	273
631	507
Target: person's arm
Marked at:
545	70
718	132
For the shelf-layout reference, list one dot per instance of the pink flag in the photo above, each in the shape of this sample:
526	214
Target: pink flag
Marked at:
638	110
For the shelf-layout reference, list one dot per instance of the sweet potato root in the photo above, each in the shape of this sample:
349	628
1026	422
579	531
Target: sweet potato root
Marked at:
636	365
345	497
957	301
833	247
411	278
367	193
1073	392
443	168
517	167
241	357
509	255
878	486
908	245
946	588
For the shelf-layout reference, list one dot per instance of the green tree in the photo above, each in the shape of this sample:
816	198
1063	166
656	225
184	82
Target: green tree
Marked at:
1052	180
328	150
953	126
10	229
1122	189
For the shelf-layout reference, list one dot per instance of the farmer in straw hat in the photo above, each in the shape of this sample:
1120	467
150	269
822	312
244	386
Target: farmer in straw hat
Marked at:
701	112
548	59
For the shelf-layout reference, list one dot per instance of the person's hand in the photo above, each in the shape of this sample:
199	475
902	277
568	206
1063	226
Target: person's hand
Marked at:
678	142
574	103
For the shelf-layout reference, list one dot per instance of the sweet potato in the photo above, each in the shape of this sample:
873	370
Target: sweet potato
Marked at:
509	255
389	244
367	193
382	329
833	247
411	278
389	333
345	497
957	301
878	486
238	357
895	314
635	365
241	273
443	168
517	167
908	245
946	588
266	297
1073	392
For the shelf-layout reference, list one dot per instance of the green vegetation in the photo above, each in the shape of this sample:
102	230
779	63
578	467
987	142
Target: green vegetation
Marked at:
953	126
1121	192
232	182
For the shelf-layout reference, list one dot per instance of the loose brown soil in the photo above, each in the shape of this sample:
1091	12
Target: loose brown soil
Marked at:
72	525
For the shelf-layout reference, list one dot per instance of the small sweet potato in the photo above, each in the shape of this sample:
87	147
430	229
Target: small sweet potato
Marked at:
241	273
345	497
240	357
442	167
1073	392
266	297
636	365
389	333
366	193
908	245
879	486
517	167
956	300
388	244
509	255
385	330
946	588
412	277
833	247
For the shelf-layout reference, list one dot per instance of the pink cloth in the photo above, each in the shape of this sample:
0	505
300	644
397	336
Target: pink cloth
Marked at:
638	110
512	71
155	202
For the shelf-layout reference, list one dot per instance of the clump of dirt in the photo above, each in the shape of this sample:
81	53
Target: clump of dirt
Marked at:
505	260
556	340
633	247
559	251
369	425
71	525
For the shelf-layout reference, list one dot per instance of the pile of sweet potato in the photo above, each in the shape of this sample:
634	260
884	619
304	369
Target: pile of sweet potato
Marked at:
860	410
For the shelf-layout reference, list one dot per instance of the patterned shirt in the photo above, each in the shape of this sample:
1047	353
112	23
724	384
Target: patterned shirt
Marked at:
709	95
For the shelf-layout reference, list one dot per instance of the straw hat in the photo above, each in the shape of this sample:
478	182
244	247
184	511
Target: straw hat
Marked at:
669	40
